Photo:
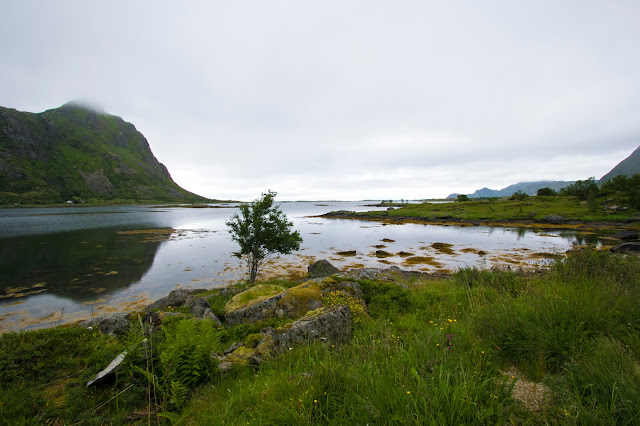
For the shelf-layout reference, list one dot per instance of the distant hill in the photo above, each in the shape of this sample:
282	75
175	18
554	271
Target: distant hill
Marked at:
79	153
629	167
530	188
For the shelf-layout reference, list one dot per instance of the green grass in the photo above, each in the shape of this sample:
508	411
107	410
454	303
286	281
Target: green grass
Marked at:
501	210
440	351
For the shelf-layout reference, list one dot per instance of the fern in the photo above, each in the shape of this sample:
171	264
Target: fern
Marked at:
186	352
177	394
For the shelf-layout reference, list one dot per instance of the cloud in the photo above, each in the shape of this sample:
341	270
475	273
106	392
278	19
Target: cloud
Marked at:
343	99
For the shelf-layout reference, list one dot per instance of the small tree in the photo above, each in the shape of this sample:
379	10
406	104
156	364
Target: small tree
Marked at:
261	230
463	197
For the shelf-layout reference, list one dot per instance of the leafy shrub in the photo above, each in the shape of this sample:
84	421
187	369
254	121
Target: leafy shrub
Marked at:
463	197
385	298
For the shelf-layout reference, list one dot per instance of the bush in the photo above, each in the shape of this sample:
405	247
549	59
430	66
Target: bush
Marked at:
519	196
546	192
463	197
385	298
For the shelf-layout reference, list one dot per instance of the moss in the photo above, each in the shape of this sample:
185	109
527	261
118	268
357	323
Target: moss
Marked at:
241	355
329	281
252	296
253	340
421	260
299	299
443	248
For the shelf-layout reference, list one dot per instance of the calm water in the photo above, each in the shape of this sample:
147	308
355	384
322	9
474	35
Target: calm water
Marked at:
62	264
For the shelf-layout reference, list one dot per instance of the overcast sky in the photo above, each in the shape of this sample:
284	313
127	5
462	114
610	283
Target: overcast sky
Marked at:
343	99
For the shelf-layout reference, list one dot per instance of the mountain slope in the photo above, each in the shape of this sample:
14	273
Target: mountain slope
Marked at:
530	188
74	152
629	167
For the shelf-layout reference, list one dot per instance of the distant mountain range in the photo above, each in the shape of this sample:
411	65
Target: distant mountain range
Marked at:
75	152
629	166
530	188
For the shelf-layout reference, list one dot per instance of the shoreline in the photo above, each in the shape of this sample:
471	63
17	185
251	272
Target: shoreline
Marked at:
506	223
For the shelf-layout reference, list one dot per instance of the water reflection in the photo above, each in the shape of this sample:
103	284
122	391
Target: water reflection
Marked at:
62	264
76	265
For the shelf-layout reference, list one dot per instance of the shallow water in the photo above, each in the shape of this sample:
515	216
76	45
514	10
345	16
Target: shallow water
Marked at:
61	264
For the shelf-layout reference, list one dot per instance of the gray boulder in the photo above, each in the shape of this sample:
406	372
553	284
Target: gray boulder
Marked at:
255	312
331	325
176	297
208	314
199	306
322	268
114	324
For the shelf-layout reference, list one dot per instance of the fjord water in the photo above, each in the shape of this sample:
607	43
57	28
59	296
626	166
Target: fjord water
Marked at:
61	264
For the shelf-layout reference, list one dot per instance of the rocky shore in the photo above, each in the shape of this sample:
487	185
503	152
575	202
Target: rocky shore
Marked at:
305	305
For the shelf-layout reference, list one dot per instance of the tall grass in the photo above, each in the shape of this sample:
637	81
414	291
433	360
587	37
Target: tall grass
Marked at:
430	351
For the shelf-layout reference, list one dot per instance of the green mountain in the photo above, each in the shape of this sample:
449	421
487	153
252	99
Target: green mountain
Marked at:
629	167
79	153
530	188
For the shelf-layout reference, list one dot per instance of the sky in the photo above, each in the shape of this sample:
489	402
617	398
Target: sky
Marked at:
343	100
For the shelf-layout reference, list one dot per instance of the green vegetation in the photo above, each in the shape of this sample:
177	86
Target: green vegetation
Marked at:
261	230
482	347
623	190
74	154
520	209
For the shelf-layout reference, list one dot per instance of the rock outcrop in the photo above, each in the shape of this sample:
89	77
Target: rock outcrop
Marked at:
322	268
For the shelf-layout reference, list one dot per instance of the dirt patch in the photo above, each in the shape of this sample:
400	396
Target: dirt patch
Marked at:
533	395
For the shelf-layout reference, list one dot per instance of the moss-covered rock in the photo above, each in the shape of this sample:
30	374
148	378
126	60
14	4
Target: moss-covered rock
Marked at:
328	324
253	296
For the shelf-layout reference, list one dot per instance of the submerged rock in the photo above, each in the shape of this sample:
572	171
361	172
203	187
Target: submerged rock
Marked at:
626	235
626	248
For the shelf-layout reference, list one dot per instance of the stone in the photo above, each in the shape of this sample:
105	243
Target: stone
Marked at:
322	268
114	324
633	247
199	306
328	324
208	314
626	235
553	219
175	298
253	313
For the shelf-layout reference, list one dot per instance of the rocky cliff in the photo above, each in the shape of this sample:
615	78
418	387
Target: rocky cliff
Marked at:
78	153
